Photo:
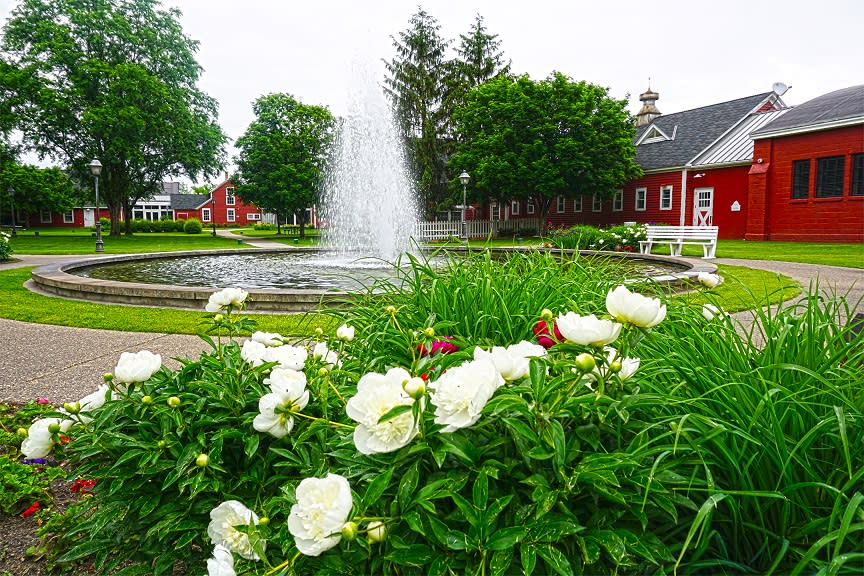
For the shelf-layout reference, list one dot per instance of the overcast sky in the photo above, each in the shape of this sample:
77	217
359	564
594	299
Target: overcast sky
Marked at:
695	52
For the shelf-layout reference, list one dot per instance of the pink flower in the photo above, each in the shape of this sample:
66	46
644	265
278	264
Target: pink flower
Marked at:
43	401
439	347
544	337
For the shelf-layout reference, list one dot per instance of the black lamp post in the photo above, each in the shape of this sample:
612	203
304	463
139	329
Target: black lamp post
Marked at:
464	177
11	192
213	212
96	170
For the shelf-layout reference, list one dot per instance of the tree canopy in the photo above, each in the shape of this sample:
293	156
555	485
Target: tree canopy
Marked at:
535	140
113	80
282	155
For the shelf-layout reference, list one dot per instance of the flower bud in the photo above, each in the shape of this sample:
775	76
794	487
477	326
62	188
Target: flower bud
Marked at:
21	432
264	521
319	331
615	366
391	310
547	315
415	387
375	531
72	407
147	399
54	428
322	371
585	362
173	401
202	460
349	531
429	332
108	377
218	318
161	444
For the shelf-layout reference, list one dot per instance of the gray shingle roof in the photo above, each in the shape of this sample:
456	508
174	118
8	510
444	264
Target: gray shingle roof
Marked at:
693	130
188	201
844	104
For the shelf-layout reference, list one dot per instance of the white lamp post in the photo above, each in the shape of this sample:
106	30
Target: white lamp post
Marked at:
11	192
464	177
96	170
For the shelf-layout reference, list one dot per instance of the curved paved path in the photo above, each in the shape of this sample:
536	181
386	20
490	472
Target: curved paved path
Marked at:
64	364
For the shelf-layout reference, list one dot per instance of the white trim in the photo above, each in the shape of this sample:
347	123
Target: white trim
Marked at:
69	217
43	220
529	207
619	198
671	194
595	200
561	204
578	199
636	207
253	216
843	123
683	211
514	208
651	127
206	215
231	215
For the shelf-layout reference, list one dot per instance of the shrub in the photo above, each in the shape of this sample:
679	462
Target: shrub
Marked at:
584	237
192	226
5	247
264	226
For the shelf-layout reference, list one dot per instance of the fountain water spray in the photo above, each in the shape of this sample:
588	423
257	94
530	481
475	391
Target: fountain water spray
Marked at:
369	201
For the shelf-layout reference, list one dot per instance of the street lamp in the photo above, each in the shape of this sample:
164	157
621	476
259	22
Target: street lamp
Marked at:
11	192
96	170
464	177
213	212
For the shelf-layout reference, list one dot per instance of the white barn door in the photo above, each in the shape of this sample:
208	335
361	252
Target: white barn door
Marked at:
703	206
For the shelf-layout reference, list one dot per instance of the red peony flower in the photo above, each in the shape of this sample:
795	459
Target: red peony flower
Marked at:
81	486
438	346
31	510
544	337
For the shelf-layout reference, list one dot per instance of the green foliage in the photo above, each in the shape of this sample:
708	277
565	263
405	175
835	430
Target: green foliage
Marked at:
536	140
585	237
25	484
5	246
38	189
192	226
13	417
282	155
113	81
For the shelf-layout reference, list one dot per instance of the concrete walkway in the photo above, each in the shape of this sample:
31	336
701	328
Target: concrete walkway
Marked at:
64	364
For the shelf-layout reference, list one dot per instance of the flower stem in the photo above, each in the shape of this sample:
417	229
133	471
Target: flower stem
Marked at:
336	424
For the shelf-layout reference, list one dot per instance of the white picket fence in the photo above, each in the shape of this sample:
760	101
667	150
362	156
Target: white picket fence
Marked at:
442	230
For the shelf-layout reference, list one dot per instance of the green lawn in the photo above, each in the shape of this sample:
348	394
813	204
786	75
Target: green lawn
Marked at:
850	255
80	241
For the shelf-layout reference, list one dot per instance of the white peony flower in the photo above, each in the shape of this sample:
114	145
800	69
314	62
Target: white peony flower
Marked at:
709	280
322	508
275	408
137	367
323	353
460	394
631	308
285	379
709	311
221	300
222	562
293	357
511	362
376	395
628	366
221	529
90	402
376	531
253	352
39	441
587	330
345	332
268	338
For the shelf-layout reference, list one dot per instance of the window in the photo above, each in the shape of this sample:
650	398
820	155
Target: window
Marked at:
562	204
529	207
253	216
641	199
45	217
577	203
205	215
229	196
800	179
68	217
494	212
665	197
596	203
857	175
231	215
618	201
829	177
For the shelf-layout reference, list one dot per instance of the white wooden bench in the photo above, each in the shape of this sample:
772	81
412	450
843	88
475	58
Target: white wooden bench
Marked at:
677	236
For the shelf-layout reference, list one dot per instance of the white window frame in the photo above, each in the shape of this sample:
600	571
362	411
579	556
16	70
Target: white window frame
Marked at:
562	205
641	202
68	217
229	196
253	216
529	207
666	197
514	208
231	215
596	203
205	215
618	201
495	212
577	203
43	219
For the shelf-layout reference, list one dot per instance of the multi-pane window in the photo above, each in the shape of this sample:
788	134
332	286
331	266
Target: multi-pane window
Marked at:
68	217
800	179
618	201
829	177
514	208
562	204
229	196
205	215
577	203
45	216
857	175
230	215
641	198
665	197
529	207
494	212
596	203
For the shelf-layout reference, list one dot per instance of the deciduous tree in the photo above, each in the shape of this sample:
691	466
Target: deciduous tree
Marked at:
282	156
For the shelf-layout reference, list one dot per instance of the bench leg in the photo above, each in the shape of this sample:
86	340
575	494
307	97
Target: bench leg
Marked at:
709	250
645	247
675	248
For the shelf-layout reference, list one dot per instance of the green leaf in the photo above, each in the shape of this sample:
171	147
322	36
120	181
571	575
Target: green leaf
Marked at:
459	446
480	490
590	550
560	443
501	560
611	542
555	560
467	508
85	549
376	488
506	538
394	412
408	485
528	556
414	555
251	444
521	429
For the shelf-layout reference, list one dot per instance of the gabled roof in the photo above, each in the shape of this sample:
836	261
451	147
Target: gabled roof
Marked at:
736	146
693	131
188	201
843	107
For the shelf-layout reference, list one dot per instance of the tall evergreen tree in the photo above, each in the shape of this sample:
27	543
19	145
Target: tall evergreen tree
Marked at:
479	58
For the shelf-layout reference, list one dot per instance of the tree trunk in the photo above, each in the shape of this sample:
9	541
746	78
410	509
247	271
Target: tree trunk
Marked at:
543	203
301	216
127	217
114	211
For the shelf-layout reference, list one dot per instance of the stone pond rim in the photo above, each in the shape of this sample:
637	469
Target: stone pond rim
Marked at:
55	279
